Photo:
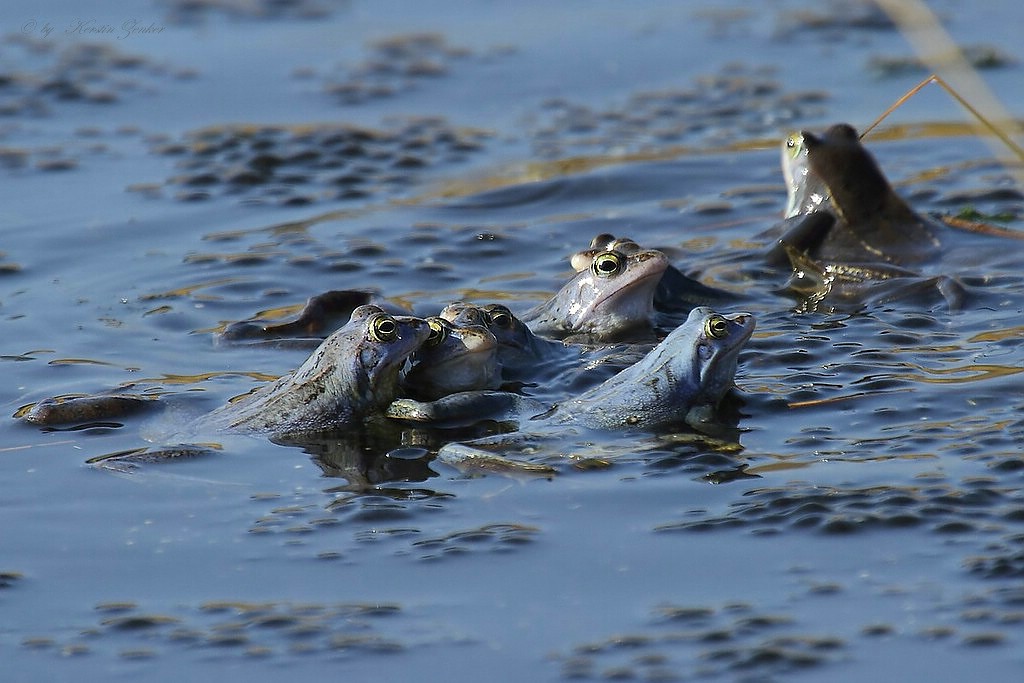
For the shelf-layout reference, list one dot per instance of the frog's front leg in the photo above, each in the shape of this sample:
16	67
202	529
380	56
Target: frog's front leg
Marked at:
465	407
469	459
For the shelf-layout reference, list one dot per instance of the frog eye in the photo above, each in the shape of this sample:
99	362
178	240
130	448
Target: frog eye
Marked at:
795	144
608	263
716	327
438	331
499	315
625	245
383	328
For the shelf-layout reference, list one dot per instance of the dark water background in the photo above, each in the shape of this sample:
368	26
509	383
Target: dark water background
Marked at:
877	530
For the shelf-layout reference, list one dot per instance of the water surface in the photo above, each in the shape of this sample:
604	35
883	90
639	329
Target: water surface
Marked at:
867	523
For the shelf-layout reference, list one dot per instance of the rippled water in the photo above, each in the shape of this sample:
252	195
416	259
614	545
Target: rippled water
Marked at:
868	523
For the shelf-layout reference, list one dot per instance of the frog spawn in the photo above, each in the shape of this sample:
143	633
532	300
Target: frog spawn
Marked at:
736	99
43	75
299	165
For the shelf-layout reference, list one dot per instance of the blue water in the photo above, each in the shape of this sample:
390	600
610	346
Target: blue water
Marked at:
875	531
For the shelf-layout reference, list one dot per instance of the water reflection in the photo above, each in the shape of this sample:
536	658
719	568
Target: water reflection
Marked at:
966	373
367	462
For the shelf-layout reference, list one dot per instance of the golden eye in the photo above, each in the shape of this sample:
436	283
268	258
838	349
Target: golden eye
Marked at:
716	327
383	328
499	315
438	331
795	144
608	263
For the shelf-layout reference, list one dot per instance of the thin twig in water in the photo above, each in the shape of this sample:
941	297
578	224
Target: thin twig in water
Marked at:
8	449
935	78
838	399
981	228
939	51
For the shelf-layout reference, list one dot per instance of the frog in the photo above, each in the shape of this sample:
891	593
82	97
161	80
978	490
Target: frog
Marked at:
675	293
682	380
453	358
611	300
522	355
852	238
541	365
351	376
806	192
833	173
347	382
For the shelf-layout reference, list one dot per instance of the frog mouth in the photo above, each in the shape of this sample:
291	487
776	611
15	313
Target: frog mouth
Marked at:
745	321
630	288
474	352
474	356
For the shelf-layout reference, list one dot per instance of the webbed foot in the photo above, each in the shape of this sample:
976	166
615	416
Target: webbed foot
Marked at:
321	315
807	234
65	410
468	459
124	461
462	408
